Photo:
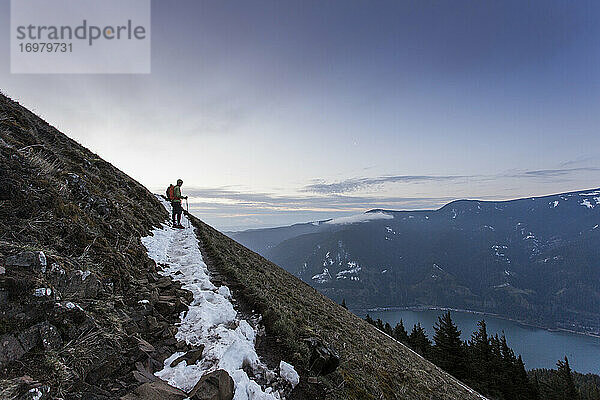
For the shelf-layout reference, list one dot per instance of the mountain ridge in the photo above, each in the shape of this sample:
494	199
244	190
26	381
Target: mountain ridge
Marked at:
386	210
532	259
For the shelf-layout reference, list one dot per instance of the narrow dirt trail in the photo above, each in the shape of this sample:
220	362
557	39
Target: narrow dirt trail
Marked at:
211	321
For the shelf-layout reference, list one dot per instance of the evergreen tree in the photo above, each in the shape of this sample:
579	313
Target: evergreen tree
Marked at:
448	351
508	386
480	343
565	384
489	365
387	328
524	390
480	356
496	352
419	342
496	371
495	367
514	381
589	391
400	333
535	387
508	355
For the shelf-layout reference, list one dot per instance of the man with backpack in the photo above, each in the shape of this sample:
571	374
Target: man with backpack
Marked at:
175	197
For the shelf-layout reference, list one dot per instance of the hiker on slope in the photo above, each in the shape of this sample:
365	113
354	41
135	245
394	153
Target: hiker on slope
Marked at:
175	196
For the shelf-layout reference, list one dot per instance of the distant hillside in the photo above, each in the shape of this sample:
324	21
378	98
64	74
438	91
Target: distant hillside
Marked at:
263	240
534	259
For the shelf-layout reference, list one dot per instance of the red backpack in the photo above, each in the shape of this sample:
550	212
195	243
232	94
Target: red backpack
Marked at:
171	192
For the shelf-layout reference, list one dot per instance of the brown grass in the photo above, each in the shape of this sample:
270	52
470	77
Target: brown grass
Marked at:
373	365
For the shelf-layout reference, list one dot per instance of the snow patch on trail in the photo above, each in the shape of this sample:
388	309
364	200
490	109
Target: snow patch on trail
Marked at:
40	292
288	373
211	320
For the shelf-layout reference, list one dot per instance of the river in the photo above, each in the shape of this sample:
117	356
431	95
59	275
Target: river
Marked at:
539	348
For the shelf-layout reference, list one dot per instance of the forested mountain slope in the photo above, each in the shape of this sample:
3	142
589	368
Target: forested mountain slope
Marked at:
534	259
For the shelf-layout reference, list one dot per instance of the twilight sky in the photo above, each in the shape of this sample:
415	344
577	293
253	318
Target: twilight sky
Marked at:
276	112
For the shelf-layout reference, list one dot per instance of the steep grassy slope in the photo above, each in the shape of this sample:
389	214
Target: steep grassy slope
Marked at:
373	366
73	322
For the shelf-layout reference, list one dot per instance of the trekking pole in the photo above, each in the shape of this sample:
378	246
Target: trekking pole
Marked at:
187	207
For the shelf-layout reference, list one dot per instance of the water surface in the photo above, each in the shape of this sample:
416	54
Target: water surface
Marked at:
539	348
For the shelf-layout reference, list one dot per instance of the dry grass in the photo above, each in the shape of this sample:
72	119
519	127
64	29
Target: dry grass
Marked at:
42	163
373	365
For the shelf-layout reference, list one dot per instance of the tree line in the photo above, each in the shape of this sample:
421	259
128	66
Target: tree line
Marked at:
487	364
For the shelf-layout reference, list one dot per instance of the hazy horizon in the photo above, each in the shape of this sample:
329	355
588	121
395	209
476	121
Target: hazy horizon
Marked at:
278	113
235	229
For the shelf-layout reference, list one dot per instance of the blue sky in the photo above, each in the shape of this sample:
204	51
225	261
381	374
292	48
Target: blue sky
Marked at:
280	112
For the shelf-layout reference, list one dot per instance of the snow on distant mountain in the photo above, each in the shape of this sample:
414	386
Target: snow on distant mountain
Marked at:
535	259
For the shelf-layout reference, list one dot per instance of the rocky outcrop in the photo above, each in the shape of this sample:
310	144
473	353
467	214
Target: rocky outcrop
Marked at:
158	390
323	359
190	357
10	349
28	259
216	385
